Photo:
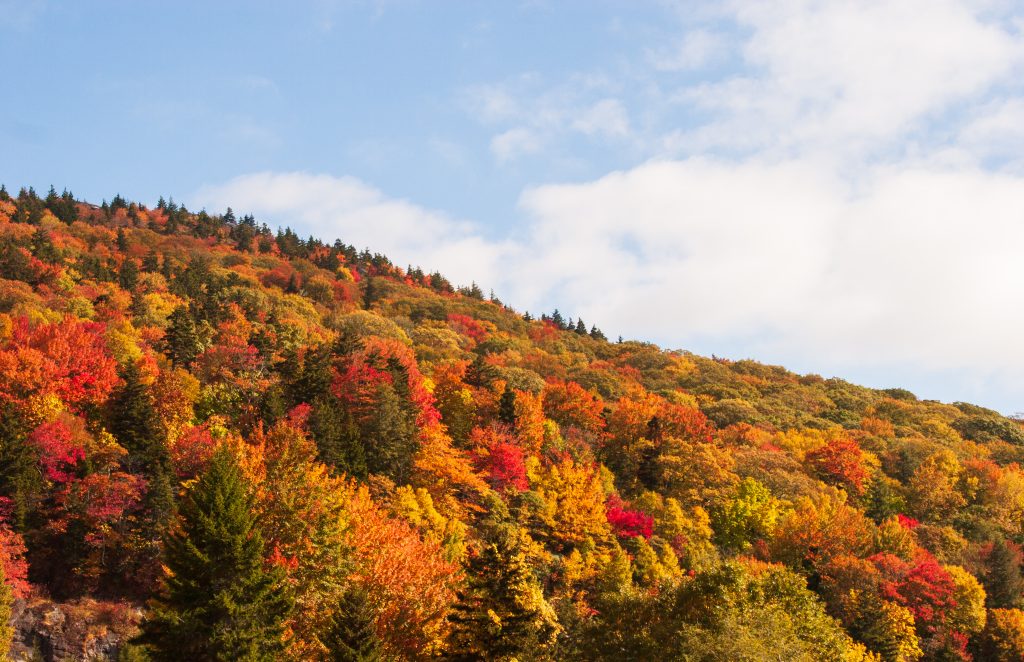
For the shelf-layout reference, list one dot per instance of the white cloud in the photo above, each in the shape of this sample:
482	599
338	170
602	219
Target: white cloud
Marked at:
847	77
913	264
532	117
695	49
997	130
514	143
607	117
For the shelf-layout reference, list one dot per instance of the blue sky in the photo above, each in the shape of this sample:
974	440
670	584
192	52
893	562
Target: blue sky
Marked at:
833	186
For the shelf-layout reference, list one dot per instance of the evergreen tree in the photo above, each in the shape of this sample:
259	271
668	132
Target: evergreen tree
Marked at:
337	437
502	613
389	436
133	421
581	327
352	637
220	601
597	334
20	480
507	407
182	337
374	292
151	263
558	320
43	248
1003	582
128	276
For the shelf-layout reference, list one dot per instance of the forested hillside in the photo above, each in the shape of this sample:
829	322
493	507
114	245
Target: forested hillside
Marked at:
222	441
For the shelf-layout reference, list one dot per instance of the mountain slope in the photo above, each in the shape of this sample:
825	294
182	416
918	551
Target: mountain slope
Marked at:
471	481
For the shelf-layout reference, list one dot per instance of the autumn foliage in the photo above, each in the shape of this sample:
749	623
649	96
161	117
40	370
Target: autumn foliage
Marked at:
419	471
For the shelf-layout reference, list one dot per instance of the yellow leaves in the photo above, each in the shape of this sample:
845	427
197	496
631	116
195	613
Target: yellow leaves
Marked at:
416	506
821	527
443	469
800	442
102	449
933	489
968	615
573	504
42	407
893	538
123	341
174	394
1003	636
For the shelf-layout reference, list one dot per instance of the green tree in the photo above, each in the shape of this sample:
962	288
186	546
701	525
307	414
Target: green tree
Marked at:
20	480
502	613
220	601
352	637
134	422
751	514
1002	581
337	438
389	436
507	407
182	337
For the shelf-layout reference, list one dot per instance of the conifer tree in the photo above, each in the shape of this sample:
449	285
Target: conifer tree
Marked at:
133	421
352	637
20	480
337	437
220	601
182	337
151	263
389	437
502	613
507	407
581	327
128	276
1003	582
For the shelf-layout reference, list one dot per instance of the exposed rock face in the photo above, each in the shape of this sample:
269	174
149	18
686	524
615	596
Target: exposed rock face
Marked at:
59	632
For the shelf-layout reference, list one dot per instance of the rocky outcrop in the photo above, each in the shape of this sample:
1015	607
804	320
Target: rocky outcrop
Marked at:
59	632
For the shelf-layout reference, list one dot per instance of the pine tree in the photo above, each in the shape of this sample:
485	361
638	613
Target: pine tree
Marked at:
502	613
581	327
507	407
220	602
133	421
20	480
182	337
389	436
337	437
128	277
1003	582
597	334
352	637
373	293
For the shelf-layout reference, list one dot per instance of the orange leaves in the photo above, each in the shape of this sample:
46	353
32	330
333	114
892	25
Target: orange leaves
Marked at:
68	358
841	462
410	584
568	403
